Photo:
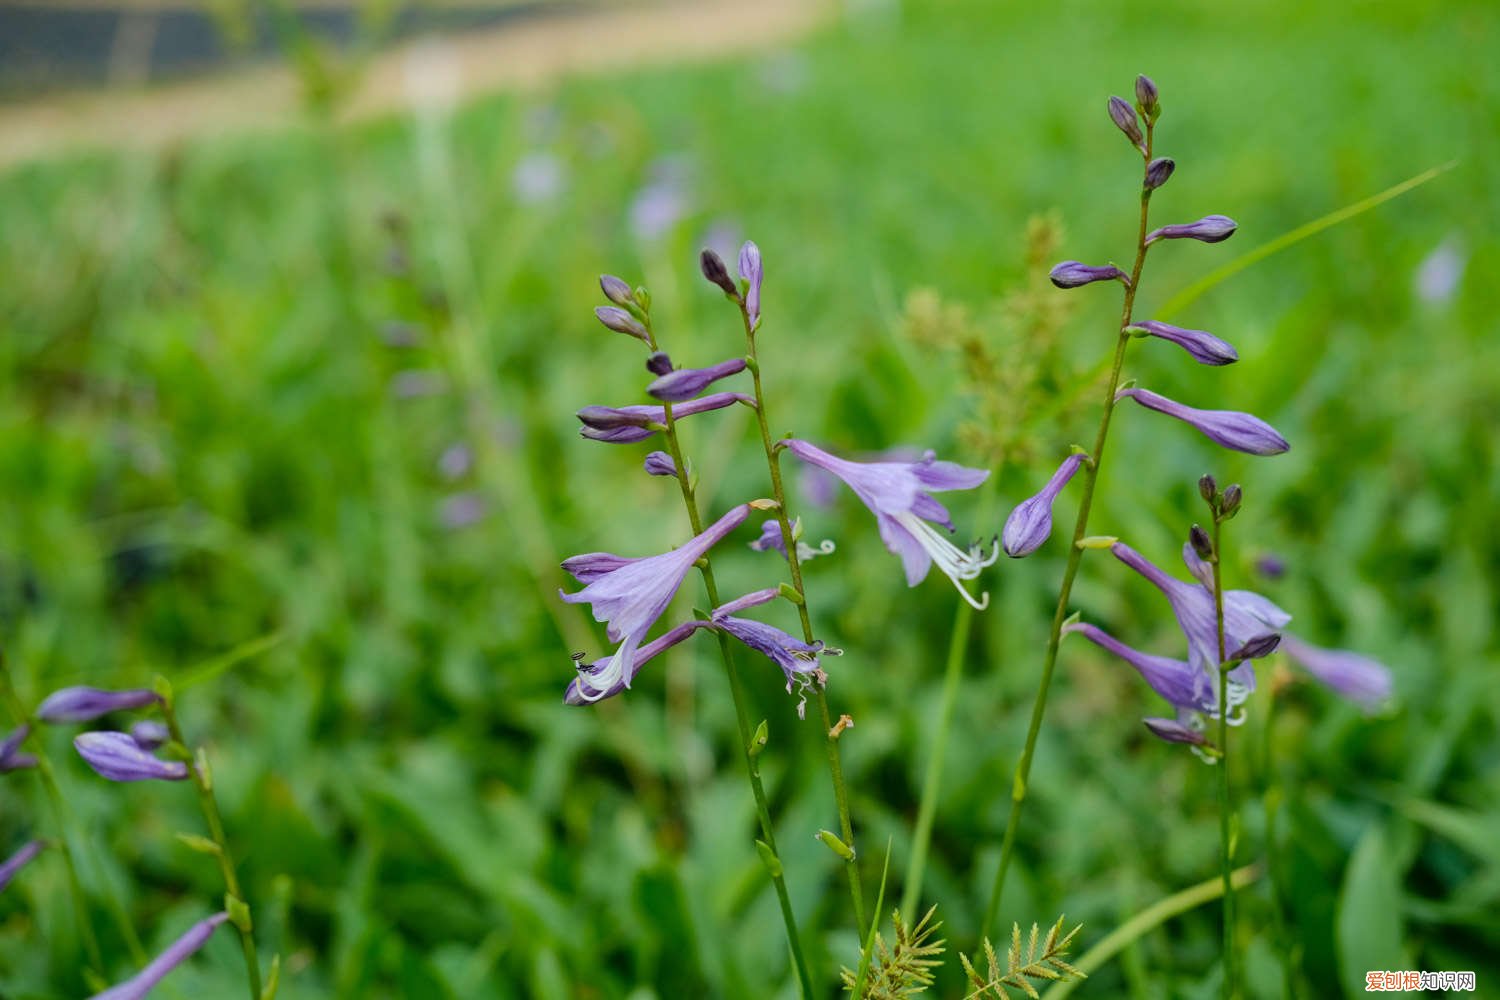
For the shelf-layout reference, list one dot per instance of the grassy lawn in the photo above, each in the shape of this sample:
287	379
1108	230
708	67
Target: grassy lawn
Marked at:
319	386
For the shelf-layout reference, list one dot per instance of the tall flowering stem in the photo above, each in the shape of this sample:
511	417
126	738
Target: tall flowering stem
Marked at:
1080	530
1222	513
748	741
234	900
750	312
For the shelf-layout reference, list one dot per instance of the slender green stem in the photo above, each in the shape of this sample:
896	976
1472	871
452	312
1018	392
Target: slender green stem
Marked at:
1075	556
1225	851
820	697
1287	948
235	903
737	693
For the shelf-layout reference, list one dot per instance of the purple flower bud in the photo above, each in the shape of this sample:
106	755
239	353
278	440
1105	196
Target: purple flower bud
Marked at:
1229	504
685	383
19	860
149	735
608	418
142	983
1175	732
11	759
620	435
1208	488
715	271
628	424
1200	542
1147	97
659	463
616	290
1123	115
621	321
117	757
1203	346
659	363
1072	274
1358	678
1030	524
1209	229
771	539
1256	647
1229	428
750	271
82	704
1270	566
1158	171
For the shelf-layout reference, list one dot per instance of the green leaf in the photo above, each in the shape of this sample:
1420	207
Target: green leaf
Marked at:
1368	926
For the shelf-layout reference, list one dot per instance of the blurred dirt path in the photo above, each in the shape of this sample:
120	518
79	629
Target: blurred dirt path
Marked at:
515	56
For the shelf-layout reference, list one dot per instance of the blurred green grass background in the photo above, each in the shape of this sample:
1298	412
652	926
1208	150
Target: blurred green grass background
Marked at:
230	373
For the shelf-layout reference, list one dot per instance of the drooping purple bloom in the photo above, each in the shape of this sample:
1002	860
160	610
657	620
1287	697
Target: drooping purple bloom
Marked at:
659	463
1229	428
1030	524
1360	679
149	735
83	704
1159	171
578	694
1177	681
1209	229
1123	115
19	860
118	757
1174	731
751	273
629	424
788	652
632	595
620	321
11	758
1202	345
141	984
685	383
1074	274
898	494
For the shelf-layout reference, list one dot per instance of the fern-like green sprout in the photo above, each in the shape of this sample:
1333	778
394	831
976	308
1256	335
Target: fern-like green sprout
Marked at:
1042	960
903	969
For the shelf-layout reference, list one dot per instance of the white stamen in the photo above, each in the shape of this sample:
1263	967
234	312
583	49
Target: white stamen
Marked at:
601	681
956	564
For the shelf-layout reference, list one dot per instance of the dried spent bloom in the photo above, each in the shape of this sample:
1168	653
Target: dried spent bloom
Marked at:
575	694
1030	524
1177	681
771	540
659	463
685	383
897	493
13	864
149	735
1229	428
616	290
1159	171
632	595
1174	731
715	271
629	424
1073	274
751	273
84	704
621	321
118	757
1203	346
11	758
140	985
1360	679
1209	229
1123	115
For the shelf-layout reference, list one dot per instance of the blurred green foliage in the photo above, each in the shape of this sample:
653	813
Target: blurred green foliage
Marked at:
210	432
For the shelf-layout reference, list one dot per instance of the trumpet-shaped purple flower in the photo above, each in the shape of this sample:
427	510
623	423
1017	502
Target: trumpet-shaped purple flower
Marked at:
1229	428
1203	346
788	652
659	463
1209	229
141	984
897	493
11	758
685	383
83	704
629	424
118	757
629	595
1360	679
751	273
19	860
1030	524
1074	274
1177	681
581	689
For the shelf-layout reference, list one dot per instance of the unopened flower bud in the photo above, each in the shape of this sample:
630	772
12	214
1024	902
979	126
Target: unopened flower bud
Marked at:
1232	497
1123	115
715	271
117	756
1073	274
1208	488
659	463
1202	544
1175	732
149	735
752	273
621	321
685	383
1209	229
616	290
1158	170
1147	98
1255	648
83	704
1228	428
659	363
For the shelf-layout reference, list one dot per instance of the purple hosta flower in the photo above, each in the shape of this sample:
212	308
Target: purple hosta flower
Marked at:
771	540
149	735
659	463
1178	681
1073	274
752	274
631	594
19	860
897	493
118	757
628	424
1029	525
1159	171
140	985
620	321
83	704
685	383
1247	617
11	758
1229	428
1358	678
1209	229
456	461
1202	345
1174	731
577	694
791	654
1123	115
